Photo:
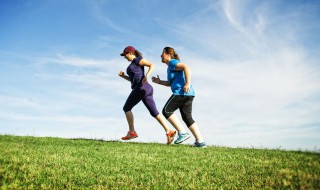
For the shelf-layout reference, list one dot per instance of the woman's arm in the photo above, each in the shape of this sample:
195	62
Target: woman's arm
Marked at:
183	67
121	74
146	63
158	81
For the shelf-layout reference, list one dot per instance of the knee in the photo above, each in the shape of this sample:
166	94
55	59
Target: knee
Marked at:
188	120
154	113
126	108
166	114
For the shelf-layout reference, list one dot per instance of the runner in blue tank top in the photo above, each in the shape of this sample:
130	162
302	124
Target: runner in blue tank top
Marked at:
141	90
179	79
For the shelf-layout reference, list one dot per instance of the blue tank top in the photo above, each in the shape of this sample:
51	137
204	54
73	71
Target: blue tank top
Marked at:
177	80
135	72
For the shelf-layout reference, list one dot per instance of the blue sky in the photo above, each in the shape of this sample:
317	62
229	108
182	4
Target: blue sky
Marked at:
255	68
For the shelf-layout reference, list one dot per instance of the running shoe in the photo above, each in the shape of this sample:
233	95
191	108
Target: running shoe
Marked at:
182	137
199	145
170	136
130	135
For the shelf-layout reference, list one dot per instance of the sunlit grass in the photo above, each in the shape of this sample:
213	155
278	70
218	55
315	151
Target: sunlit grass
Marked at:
54	163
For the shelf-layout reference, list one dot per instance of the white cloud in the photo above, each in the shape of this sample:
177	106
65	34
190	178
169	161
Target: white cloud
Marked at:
17	102
102	16
233	12
56	118
75	61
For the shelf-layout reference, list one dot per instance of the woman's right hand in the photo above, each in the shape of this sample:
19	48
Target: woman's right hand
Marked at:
121	74
156	79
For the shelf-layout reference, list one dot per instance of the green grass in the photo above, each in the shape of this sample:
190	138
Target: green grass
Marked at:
55	163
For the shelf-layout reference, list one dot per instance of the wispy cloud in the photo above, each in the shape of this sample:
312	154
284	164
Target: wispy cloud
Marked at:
74	61
233	12
18	102
92	73
104	17
56	118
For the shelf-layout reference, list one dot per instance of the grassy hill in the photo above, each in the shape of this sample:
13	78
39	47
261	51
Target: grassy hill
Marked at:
55	163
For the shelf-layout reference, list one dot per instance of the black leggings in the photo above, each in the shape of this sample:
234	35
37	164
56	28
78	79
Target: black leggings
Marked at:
184	104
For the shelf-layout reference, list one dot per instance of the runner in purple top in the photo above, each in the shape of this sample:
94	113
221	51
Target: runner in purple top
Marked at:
141	90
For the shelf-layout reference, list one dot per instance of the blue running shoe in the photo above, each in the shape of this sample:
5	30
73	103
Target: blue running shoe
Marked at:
182	137
199	145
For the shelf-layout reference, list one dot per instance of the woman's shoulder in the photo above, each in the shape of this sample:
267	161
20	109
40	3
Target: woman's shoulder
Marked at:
174	61
137	60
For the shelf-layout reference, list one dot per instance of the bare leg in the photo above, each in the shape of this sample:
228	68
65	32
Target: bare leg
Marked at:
196	132
174	120
162	121
130	120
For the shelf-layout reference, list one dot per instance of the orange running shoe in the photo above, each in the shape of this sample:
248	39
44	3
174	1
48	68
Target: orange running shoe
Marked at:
130	135
170	136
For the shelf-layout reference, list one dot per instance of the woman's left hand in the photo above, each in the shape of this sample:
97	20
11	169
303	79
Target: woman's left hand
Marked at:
186	87
144	80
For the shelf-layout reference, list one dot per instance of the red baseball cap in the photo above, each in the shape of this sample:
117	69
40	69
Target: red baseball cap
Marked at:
127	50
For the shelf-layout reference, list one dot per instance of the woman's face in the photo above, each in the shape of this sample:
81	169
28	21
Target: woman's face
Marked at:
165	58
129	56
